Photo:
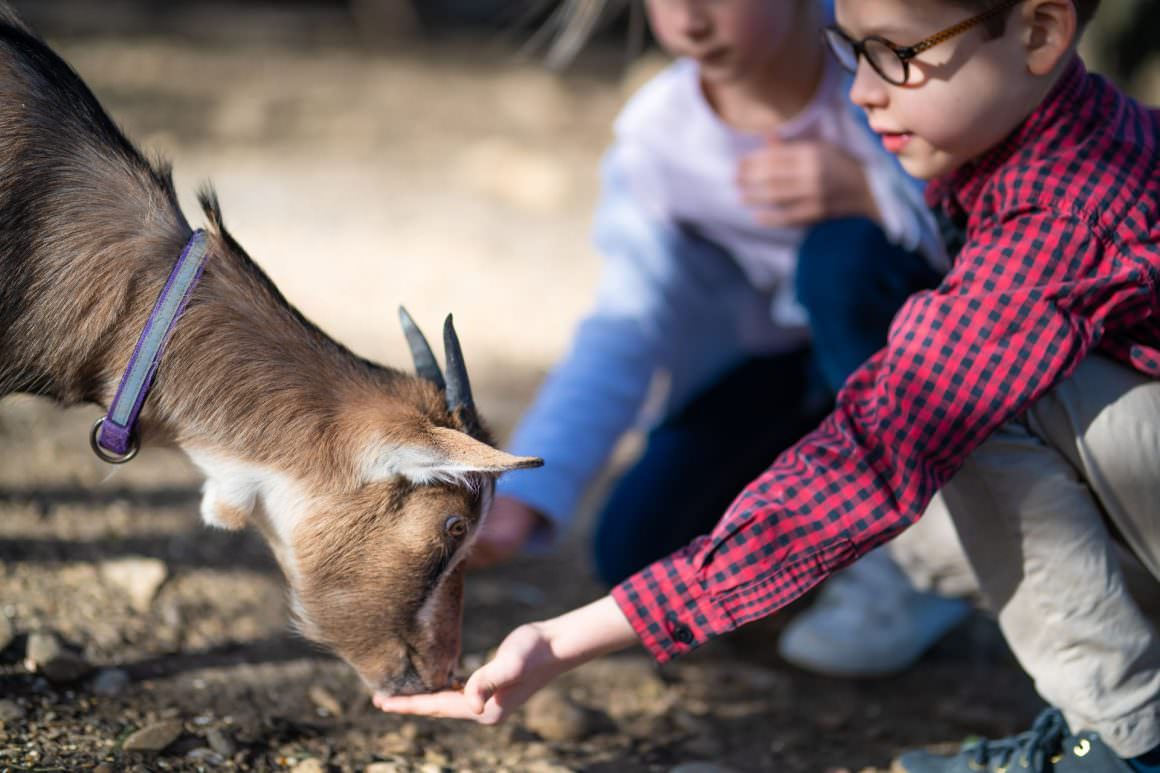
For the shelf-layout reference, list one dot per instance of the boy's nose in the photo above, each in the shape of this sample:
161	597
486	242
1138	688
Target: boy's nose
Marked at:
868	89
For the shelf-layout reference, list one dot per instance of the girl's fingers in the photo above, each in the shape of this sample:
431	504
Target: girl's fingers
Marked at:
770	196
786	217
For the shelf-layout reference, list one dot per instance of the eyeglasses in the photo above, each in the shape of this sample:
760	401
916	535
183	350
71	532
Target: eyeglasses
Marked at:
891	61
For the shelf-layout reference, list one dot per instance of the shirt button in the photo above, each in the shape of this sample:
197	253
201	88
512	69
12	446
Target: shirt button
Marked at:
682	634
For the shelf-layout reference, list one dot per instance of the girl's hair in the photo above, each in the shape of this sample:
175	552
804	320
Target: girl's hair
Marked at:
574	22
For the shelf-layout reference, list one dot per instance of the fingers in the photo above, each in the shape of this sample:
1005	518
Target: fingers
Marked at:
793	215
480	687
450	704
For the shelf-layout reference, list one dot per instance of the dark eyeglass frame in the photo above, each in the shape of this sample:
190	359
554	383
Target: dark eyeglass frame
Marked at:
906	53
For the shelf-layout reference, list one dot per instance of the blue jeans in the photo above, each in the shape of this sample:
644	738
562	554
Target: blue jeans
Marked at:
851	280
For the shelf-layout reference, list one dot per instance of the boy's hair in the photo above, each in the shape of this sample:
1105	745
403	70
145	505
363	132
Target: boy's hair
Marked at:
1086	9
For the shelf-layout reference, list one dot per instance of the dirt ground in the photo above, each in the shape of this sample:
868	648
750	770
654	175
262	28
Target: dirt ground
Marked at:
450	177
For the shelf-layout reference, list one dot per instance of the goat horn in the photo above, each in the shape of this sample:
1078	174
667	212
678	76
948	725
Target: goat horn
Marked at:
425	363
458	387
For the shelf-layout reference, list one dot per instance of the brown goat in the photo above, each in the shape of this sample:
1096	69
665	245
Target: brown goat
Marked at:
366	485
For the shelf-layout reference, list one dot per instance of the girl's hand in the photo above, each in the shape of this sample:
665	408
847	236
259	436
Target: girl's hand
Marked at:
507	528
530	657
802	182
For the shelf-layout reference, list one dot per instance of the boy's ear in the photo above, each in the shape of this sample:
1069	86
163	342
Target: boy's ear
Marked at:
1051	30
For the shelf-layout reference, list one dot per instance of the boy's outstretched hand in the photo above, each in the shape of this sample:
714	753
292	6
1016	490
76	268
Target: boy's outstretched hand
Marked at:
530	657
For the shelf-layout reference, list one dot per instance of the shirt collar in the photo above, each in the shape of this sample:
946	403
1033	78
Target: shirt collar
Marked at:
959	190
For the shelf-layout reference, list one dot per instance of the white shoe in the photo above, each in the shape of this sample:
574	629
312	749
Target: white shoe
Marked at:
868	621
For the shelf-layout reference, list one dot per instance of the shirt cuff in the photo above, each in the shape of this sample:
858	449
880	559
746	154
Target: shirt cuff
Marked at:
669	607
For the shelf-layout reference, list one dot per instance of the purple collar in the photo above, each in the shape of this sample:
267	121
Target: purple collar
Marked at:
114	436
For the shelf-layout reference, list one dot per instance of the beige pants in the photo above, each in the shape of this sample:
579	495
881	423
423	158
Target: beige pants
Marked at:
1057	514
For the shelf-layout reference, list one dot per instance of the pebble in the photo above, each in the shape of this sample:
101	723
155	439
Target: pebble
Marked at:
325	701
137	577
221	742
154	737
394	743
10	711
405	741
554	717
704	746
701	767
385	767
309	765
46	655
208	756
436	757
7	632
110	681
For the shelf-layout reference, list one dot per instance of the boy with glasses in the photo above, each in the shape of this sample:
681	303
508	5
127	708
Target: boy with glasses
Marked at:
1025	387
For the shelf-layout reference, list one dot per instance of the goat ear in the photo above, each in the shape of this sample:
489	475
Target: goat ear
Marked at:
445	455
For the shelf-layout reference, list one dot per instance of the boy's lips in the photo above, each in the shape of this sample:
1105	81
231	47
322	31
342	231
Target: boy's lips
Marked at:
895	142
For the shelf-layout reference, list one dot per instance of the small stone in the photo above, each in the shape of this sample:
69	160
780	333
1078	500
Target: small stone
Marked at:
703	746
154	737
110	681
309	765
325	701
385	767
554	717
104	767
41	647
221	742
436	757
700	767
208	756
46	655
396	743
7	632
11	711
139	578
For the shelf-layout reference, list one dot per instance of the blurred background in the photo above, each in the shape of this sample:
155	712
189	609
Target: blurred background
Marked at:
376	152
371	153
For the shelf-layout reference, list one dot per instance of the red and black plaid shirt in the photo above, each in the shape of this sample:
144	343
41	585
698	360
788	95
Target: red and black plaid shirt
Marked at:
1061	259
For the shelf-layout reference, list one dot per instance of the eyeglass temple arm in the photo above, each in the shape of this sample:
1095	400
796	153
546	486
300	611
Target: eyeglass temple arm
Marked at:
958	29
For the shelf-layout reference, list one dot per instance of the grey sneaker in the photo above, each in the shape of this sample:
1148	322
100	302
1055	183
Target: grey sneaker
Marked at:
1048	747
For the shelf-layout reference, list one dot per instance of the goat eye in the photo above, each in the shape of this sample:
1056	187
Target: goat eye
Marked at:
456	526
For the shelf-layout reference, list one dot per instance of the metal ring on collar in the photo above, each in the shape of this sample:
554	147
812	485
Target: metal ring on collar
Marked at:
108	456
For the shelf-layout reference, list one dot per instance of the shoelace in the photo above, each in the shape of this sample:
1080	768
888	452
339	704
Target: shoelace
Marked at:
1034	748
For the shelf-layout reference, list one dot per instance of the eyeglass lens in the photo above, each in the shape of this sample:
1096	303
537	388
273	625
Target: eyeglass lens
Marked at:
878	53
